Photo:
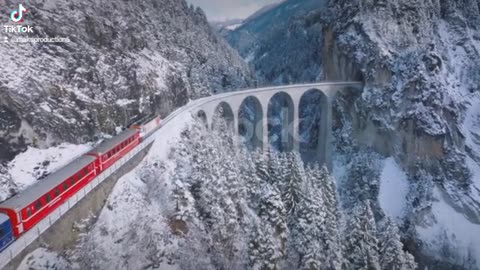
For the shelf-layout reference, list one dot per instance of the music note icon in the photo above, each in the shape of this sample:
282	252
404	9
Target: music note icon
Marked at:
17	15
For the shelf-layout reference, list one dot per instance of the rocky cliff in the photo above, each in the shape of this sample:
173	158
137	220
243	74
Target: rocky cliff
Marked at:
420	61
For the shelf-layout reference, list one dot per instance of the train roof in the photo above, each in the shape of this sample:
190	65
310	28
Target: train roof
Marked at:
107	145
43	186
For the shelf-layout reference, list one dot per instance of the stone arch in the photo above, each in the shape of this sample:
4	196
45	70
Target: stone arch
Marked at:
313	126
224	111
250	122
202	116
281	113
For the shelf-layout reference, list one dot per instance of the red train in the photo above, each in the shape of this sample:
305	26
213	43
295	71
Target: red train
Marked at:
23	211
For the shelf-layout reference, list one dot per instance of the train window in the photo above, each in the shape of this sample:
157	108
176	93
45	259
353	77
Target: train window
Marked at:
72	181
29	213
38	205
57	192
85	171
47	198
1	233
65	186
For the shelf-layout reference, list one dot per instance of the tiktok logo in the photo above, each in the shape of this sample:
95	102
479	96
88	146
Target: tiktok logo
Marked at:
17	15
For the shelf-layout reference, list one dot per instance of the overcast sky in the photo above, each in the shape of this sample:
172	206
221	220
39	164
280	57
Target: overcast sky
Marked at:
220	10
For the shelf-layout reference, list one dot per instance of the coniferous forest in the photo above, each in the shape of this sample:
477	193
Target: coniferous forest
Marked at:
235	209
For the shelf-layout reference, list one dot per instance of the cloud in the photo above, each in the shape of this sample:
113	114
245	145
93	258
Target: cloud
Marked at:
220	10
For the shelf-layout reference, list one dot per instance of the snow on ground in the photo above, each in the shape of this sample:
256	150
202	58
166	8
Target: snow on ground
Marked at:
234	26
131	205
36	163
394	188
450	236
43	259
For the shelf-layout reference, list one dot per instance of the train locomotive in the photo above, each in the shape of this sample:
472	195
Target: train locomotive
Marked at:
23	211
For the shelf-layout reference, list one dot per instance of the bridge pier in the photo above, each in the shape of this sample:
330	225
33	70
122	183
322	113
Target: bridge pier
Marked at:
264	134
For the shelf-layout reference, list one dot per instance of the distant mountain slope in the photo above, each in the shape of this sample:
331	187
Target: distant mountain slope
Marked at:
275	40
262	11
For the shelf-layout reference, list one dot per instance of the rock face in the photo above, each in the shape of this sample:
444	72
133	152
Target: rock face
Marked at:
420	61
119	66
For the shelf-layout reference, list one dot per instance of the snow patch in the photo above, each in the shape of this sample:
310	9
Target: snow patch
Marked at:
34	163
127	207
450	231
233	26
394	188
124	102
43	259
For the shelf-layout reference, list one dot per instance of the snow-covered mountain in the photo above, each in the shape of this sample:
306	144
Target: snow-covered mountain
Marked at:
124	60
414	132
407	152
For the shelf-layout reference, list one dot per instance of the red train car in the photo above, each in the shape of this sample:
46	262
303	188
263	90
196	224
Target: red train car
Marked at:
109	151
32	205
148	127
36	202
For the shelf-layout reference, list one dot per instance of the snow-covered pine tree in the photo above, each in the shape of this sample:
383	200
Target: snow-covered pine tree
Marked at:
272	210
308	232
392	255
361	244
262	249
250	179
261	166
283	168
274	165
292	186
332	249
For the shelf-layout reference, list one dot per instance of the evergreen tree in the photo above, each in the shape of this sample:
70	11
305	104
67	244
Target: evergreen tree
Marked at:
392	255
263	254
308	232
250	180
261	167
323	181
292	186
273	210
361	244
